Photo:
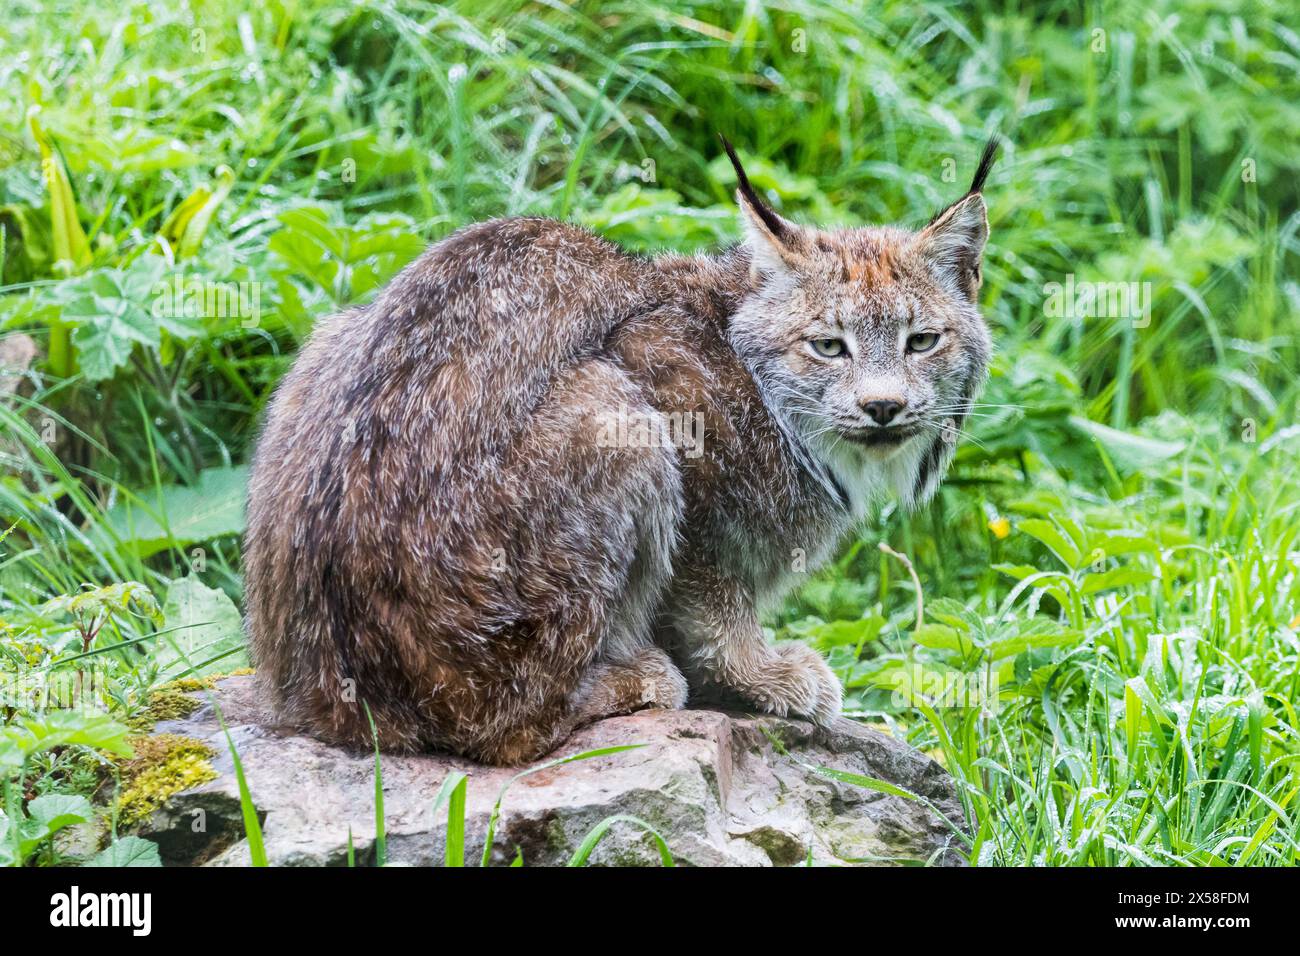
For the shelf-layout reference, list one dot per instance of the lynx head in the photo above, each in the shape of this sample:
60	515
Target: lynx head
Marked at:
868	343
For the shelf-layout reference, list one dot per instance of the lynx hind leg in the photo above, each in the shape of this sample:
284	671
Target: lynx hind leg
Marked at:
597	518
648	679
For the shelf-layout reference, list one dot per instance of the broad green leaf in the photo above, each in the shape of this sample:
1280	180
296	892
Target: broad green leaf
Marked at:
52	812
956	615
1116	542
66	728
104	345
1116	578
127	851
348	261
842	633
1056	541
125	596
941	637
204	624
212	508
1038	633
111	311
1017	571
1131	453
1074	531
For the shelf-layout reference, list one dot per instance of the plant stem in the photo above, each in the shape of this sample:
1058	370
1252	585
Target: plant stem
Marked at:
916	581
60	359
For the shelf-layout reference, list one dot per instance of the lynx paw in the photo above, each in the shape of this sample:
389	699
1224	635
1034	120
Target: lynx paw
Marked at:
649	680
799	682
664	688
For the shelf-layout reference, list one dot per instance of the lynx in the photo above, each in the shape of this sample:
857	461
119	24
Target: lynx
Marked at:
540	480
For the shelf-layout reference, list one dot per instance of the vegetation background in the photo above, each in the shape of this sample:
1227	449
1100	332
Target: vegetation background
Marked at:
1112	565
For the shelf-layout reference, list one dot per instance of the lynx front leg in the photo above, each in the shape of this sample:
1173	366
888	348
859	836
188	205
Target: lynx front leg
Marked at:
722	643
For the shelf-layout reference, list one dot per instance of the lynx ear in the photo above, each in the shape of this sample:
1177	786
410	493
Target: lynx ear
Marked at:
954	243
773	242
954	240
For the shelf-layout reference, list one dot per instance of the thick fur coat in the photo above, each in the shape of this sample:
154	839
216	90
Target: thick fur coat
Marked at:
540	480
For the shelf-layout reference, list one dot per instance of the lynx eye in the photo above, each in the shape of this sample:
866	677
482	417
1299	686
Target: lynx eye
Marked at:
828	348
922	341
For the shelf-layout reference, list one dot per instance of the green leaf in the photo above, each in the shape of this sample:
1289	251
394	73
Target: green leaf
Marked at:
941	637
490	838
1132	724
1038	632
1126	576
829	634
70	243
127	851
1056	541
453	790
381	826
346	261
197	221
1142	691
46	816
111	311
1029	664
1115	542
248	809
52	812
955	615
1017	571
63	728
210	509
129	596
1131	453
598	832
206	624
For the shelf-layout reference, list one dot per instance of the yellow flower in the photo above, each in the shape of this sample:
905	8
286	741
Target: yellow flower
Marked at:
1295	621
1000	527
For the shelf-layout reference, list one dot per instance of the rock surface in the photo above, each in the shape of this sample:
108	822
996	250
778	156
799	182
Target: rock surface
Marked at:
712	783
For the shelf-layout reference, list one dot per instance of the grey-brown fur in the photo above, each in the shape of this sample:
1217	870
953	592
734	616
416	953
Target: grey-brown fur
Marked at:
441	528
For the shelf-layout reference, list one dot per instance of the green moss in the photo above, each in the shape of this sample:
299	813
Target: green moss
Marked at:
187	685
163	703
163	766
171	705
172	700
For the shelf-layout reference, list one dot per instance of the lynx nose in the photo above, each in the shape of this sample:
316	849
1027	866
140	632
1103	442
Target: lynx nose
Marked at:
882	410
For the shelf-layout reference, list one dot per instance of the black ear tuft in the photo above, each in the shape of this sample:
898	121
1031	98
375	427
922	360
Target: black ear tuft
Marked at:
774	223
986	163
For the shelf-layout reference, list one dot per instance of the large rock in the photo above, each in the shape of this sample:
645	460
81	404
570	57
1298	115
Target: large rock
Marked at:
713	784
